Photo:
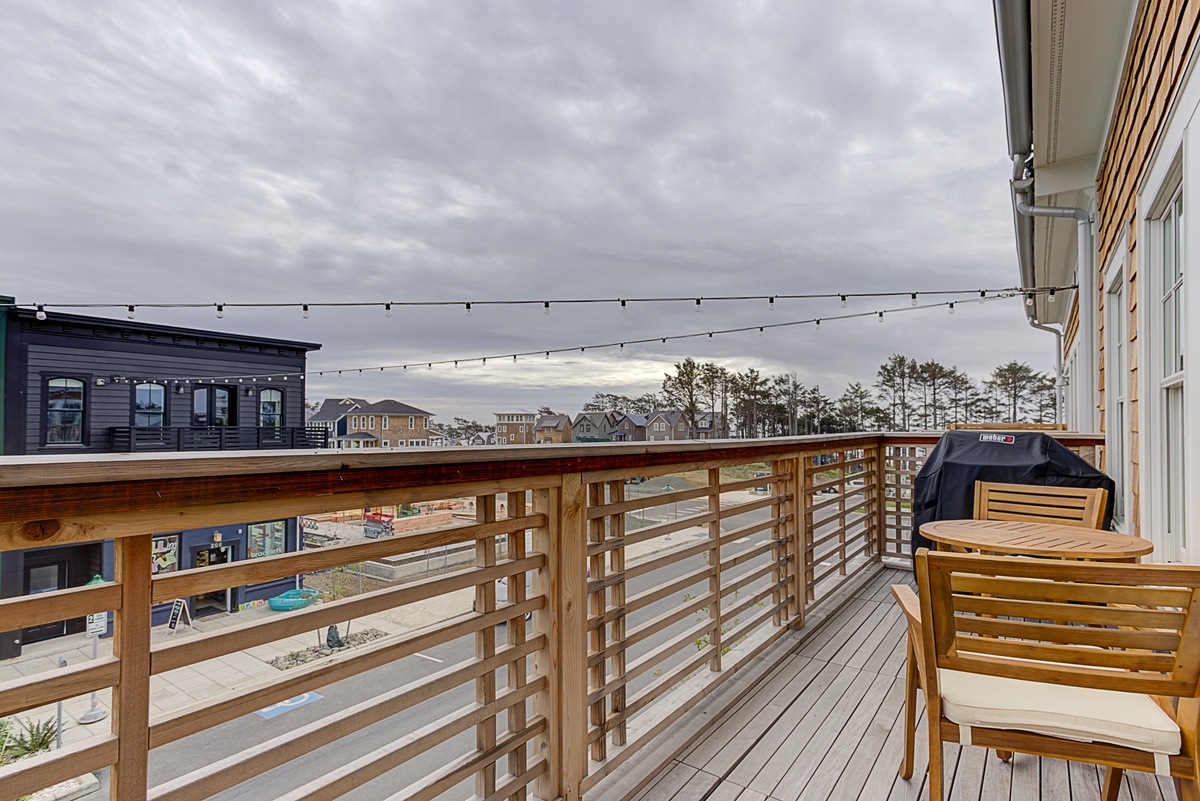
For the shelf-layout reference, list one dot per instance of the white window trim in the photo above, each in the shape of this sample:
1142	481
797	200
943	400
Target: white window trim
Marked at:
1162	185
1117	443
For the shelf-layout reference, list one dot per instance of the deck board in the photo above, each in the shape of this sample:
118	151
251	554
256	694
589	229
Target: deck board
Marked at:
828	724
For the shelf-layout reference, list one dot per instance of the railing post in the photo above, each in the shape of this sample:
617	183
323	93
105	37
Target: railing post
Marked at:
879	499
714	560
597	602
564	621
805	486
792	529
518	760
616	558
131	695
485	646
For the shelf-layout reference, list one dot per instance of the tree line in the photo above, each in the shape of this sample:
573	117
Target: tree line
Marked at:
906	396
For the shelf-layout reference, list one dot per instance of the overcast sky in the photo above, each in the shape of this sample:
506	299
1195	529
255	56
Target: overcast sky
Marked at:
203	152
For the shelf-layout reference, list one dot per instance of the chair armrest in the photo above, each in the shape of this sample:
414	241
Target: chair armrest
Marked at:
909	604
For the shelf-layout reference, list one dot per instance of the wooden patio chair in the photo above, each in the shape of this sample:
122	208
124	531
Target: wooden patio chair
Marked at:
1068	506
1082	661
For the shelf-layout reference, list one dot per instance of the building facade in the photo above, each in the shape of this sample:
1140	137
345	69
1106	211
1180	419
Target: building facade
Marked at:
73	385
552	429
515	427
388	424
1101	102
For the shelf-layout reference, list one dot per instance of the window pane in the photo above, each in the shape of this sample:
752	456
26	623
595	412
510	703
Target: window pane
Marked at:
270	408
222	406
1168	265
200	406
1169	336
149	401
1177	262
266	539
64	410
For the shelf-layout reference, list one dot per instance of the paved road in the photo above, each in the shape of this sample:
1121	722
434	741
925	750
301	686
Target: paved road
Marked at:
197	752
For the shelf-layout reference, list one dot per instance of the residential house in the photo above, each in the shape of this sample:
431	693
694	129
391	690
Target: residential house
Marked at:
515	427
667	425
593	427
629	428
709	425
387	424
74	385
552	429
332	415
1100	103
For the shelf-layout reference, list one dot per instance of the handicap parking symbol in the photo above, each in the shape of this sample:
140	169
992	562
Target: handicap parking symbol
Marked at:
288	705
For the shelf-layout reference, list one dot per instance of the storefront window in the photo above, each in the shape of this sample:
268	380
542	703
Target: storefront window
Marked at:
164	554
266	539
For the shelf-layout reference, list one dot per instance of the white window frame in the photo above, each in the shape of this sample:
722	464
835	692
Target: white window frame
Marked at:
1117	428
1169	174
410	422
384	420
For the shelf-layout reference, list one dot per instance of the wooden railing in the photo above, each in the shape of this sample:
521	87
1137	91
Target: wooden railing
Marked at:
627	604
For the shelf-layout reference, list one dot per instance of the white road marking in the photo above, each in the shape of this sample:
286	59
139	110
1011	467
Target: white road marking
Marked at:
430	658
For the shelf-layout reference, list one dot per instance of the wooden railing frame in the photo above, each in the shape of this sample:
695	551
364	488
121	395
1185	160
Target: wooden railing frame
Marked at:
573	713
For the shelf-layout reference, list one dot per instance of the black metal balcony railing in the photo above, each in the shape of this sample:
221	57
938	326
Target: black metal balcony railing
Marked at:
128	439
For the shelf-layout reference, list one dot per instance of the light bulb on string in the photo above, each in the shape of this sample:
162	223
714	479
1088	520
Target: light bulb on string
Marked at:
914	299
697	305
881	317
624	308
220	310
1050	297
514	357
304	310
41	312
467	307
952	307
760	331
664	342
771	303
1029	299
818	323
387	310
429	366
982	295
546	308
131	312
844	301
547	355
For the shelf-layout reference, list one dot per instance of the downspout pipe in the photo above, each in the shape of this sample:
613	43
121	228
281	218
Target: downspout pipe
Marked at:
1085	278
1059	385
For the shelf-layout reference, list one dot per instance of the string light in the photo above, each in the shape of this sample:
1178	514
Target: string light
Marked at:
304	310
1029	299
624	308
697	305
387	310
914	299
41	312
771	304
220	310
760	332
131	312
468	309
1050	297
620	345
843	298
546	307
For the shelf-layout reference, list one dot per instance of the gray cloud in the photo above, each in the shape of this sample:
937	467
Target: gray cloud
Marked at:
315	151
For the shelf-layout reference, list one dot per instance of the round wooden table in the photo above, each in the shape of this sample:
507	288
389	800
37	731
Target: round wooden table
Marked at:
1036	539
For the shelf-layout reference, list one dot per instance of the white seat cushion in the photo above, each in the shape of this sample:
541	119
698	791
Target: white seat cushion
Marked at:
1083	714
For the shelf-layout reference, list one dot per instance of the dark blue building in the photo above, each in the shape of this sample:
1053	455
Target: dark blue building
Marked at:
75	384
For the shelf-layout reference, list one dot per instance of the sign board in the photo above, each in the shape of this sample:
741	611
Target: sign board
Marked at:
1003	439
176	613
97	624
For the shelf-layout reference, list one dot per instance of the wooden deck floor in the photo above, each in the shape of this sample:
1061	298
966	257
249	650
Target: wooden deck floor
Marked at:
826	724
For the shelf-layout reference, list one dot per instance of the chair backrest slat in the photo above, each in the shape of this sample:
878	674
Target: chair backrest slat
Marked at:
1071	506
1076	591
1051	612
1049	620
